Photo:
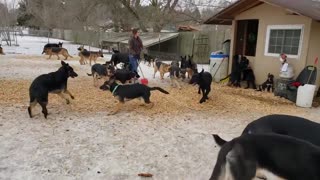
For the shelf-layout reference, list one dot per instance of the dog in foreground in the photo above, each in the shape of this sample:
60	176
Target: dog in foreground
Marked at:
129	91
293	126
203	79
54	82
265	155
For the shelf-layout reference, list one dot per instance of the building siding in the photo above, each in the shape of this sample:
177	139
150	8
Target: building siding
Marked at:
273	15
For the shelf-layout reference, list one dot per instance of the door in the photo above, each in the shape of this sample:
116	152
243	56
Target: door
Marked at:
246	37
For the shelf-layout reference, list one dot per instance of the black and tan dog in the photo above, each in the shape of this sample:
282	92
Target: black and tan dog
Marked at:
161	67
176	74
129	91
56	51
51	45
1	50
99	71
268	84
90	55
149	59
54	82
266	156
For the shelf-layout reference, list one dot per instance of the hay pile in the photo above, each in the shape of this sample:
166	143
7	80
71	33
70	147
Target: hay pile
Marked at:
224	101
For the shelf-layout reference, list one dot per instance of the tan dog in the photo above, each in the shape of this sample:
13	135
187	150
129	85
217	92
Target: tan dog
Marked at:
162	68
91	55
56	51
1	51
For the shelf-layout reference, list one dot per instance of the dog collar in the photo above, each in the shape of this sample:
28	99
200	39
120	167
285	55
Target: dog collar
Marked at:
114	90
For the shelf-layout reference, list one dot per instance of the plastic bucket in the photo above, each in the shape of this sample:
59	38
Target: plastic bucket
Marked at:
305	95
218	66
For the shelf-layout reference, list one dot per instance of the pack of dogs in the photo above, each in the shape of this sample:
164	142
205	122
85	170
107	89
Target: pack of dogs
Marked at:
271	147
242	71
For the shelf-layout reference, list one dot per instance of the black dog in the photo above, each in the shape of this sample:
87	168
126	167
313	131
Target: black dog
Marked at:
54	82
124	75
101	71
248	156
294	126
250	78
203	79
115	51
268	84
129	91
51	45
117	58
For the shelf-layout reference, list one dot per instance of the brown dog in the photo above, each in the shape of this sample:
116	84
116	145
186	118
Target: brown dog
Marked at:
161	67
1	50
56	51
91	55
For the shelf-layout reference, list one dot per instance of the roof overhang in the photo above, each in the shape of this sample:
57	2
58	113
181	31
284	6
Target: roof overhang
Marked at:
309	8
226	16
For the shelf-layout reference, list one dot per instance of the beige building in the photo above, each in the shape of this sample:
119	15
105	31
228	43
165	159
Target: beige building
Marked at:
262	29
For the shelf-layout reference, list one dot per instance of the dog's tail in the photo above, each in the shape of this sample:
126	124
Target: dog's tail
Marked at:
159	89
219	140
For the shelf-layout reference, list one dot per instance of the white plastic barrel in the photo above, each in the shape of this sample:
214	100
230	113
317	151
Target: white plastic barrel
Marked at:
289	73
218	66
305	95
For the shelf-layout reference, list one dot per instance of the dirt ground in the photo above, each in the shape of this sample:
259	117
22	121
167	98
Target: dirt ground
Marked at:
80	141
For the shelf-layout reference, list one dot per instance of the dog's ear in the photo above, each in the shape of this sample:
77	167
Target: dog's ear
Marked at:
219	140
63	63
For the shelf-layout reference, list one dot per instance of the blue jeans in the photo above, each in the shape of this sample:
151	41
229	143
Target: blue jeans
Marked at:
133	60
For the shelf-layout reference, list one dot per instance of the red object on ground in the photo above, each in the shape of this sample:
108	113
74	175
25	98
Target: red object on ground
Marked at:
144	81
296	84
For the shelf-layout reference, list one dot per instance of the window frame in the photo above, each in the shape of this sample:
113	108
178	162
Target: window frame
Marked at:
284	27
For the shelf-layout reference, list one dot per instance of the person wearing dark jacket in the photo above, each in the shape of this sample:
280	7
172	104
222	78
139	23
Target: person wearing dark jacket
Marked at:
135	48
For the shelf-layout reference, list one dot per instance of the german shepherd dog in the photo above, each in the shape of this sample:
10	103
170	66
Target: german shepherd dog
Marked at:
149	59
129	91
161	67
261	155
91	55
191	66
293	126
203	79
99	71
56	51
268	84
50	45
1	50
176	74
54	82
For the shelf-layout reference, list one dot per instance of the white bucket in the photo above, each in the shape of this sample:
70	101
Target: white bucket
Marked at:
305	95
218	66
289	73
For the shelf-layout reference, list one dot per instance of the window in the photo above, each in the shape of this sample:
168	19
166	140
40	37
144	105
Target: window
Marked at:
284	39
